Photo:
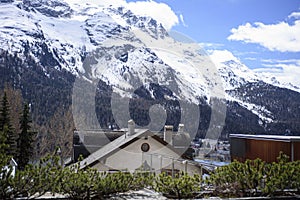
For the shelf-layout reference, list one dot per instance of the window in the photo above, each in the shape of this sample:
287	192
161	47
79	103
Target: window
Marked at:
145	147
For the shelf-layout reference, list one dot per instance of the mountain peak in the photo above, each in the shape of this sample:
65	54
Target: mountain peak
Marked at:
51	8
128	52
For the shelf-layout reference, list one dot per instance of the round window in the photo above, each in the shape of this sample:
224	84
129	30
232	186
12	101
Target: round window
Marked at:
145	147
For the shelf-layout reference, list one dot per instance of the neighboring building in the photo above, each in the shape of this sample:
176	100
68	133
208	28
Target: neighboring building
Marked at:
140	149
214	150
265	147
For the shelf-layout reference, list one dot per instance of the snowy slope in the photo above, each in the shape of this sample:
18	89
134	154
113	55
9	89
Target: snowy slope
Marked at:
235	74
70	36
111	43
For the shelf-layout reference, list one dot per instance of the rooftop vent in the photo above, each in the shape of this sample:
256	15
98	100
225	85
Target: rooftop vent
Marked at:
131	126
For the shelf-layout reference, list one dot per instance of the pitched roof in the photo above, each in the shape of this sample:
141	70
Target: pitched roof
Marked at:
119	143
97	137
112	146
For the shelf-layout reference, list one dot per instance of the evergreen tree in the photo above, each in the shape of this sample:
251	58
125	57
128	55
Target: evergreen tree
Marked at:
3	150
4	113
26	139
6	127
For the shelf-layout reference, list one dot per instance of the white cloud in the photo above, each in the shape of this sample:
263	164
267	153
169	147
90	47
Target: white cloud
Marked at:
287	74
161	12
211	46
182	20
220	56
295	15
281	37
295	61
245	53
290	74
285	71
250	58
271	70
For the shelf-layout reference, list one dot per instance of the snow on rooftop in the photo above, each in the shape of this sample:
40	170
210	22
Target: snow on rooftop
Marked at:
267	137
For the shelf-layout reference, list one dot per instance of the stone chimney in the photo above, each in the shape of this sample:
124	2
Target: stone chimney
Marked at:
131	126
168	134
180	128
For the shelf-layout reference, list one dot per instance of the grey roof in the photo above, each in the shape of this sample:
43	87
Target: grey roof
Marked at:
112	146
97	137
283	138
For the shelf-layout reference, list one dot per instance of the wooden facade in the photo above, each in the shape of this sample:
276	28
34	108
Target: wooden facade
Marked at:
265	147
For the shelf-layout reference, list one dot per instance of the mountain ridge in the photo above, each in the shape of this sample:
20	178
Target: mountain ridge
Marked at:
47	45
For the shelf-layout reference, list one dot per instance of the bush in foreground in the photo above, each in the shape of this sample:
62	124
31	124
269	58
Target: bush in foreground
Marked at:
251	178
257	178
180	186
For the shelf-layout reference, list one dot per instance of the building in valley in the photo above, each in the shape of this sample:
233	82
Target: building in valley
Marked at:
265	147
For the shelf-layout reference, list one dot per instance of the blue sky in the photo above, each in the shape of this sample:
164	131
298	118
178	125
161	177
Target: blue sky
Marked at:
210	21
263	34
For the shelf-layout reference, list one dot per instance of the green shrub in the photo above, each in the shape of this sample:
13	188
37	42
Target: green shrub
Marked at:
237	179
180	186
256	178
251	178
78	183
110	183
281	175
34	180
142	180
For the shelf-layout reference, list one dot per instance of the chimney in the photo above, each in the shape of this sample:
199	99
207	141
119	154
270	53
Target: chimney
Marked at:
131	126
180	128
168	134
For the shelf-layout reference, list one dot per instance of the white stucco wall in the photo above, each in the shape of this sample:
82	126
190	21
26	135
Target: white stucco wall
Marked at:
132	157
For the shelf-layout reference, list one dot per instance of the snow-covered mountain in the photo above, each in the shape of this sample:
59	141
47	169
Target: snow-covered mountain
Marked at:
235	73
53	43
